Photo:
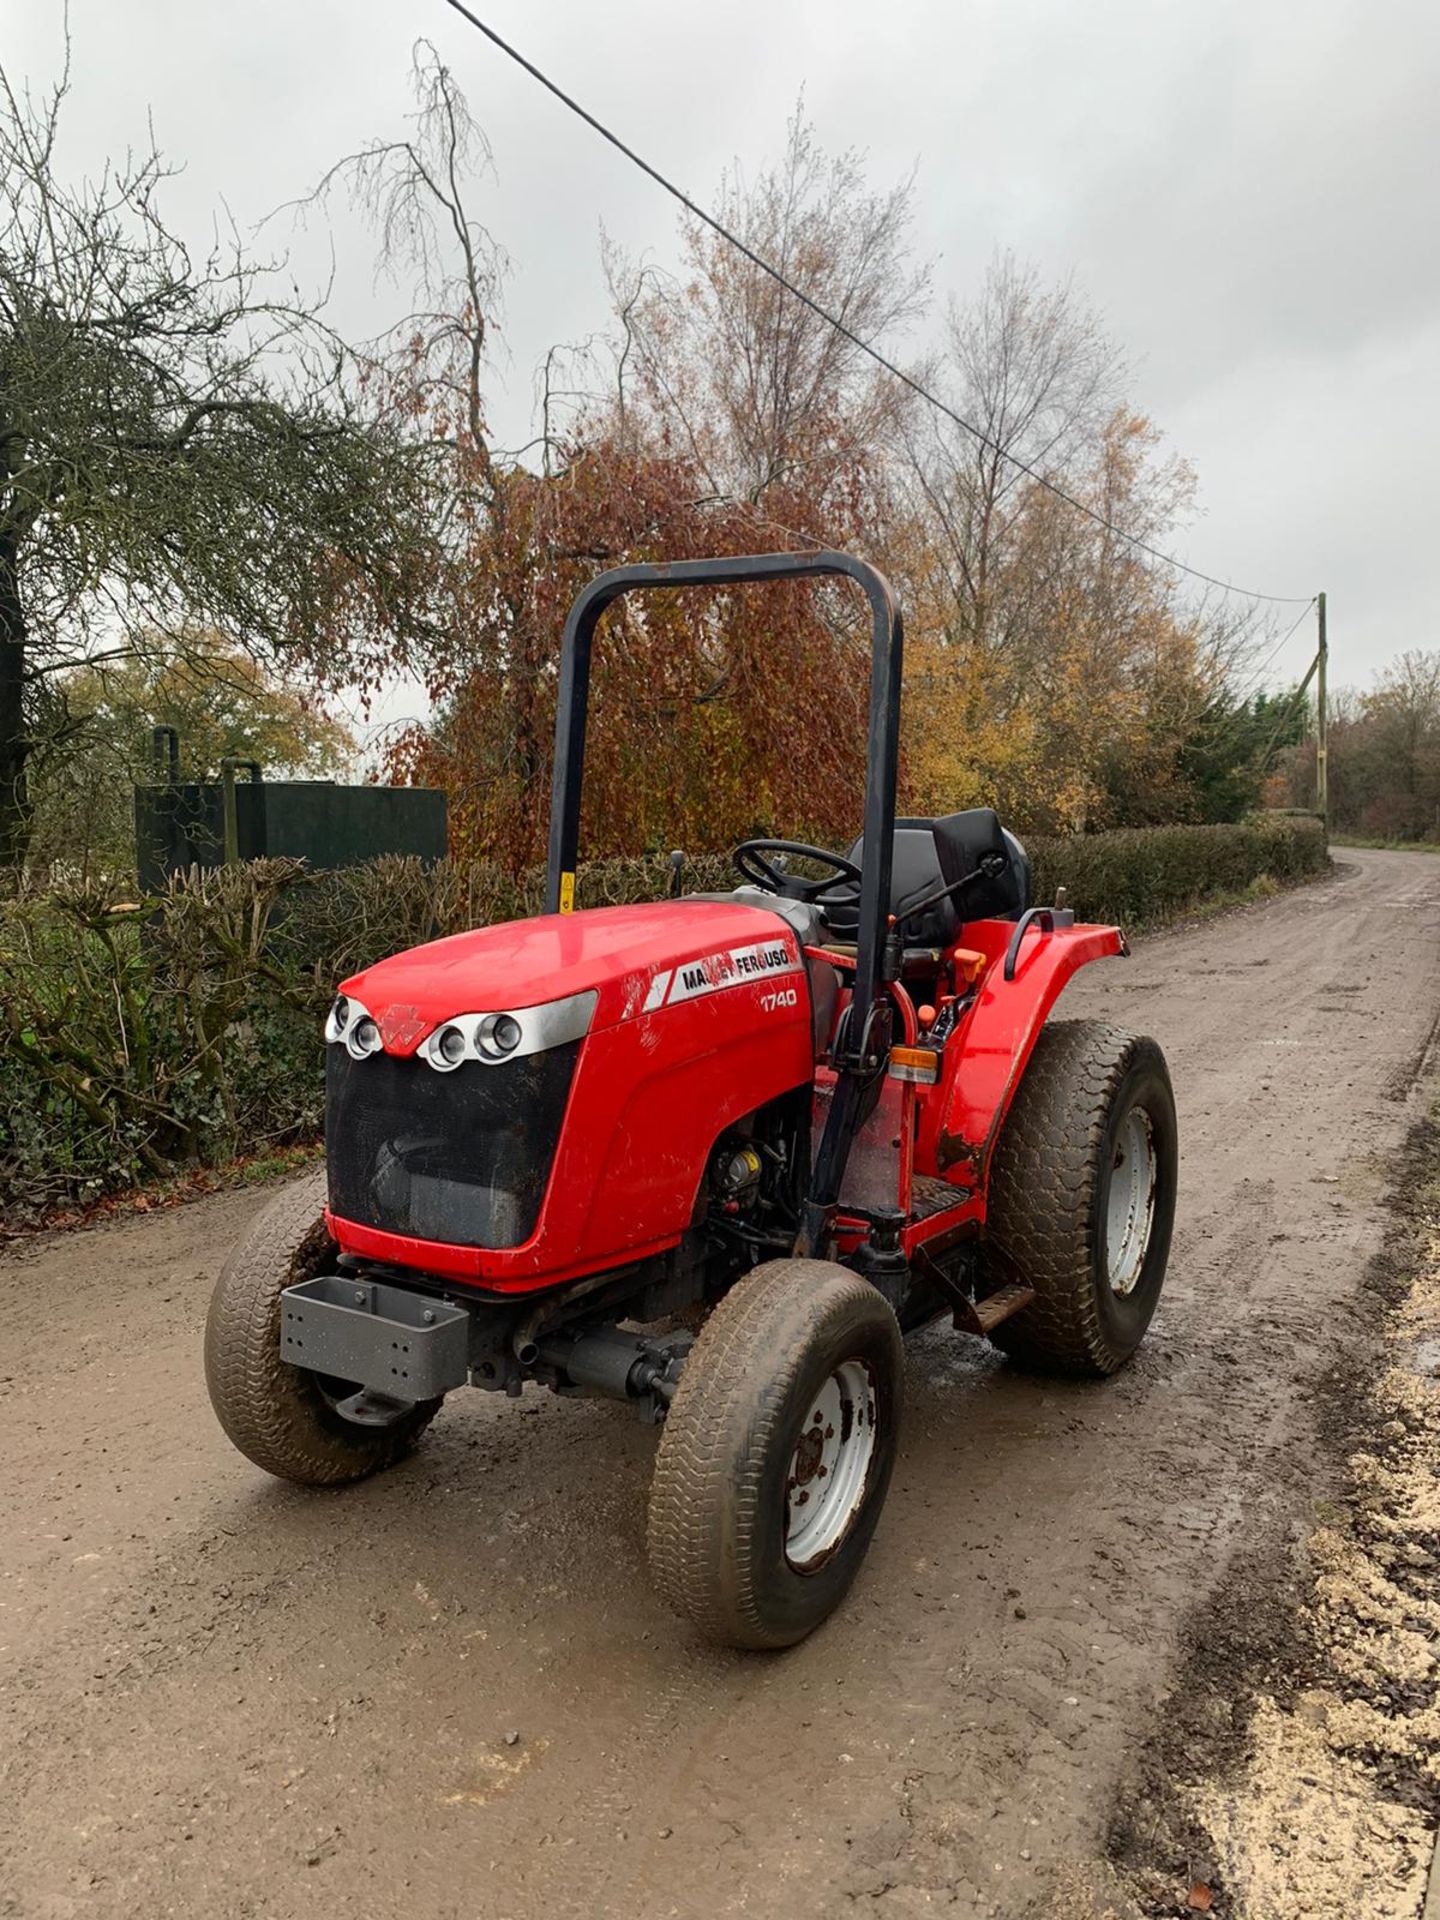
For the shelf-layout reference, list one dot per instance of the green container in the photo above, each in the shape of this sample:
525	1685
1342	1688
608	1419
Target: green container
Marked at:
183	825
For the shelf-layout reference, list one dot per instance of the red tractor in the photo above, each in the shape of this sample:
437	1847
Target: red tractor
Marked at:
712	1156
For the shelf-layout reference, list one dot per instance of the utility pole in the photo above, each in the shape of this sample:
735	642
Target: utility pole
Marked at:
1322	730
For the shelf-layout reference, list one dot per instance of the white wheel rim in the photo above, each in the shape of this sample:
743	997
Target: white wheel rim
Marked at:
830	1467
1130	1212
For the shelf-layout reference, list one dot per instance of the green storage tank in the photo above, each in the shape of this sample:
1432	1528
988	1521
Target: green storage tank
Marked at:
180	824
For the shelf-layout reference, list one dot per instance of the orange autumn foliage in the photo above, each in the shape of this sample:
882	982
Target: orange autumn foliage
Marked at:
712	716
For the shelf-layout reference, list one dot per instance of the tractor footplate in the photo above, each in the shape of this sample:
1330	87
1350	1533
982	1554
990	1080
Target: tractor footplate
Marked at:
398	1344
981	1316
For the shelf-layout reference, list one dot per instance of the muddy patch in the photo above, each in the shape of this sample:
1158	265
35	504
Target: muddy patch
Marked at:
1295	1768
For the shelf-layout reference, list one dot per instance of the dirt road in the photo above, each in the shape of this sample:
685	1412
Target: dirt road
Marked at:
223	1697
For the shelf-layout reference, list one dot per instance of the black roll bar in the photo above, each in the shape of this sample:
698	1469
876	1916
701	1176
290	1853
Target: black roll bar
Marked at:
857	1069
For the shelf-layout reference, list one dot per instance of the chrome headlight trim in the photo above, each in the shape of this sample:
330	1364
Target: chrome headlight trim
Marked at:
344	1024
550	1025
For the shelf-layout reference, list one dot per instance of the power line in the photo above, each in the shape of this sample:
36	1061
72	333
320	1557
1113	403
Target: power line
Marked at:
692	207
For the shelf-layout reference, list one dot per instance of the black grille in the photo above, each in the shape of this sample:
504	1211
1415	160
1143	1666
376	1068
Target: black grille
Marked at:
461	1157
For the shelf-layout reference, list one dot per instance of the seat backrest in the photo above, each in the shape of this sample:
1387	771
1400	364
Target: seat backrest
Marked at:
915	870
961	841
933	853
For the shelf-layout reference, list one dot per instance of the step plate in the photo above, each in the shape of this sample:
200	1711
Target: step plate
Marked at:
983	1316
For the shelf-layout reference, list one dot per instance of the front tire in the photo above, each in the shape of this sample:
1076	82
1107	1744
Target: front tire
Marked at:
283	1418
776	1454
1082	1197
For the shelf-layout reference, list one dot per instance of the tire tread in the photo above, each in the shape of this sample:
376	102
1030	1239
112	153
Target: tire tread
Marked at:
1042	1218
735	1389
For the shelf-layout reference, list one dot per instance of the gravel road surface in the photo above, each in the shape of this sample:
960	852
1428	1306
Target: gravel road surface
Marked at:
223	1697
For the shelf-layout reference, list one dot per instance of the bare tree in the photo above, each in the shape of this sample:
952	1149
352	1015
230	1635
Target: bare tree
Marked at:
1031	367
1073	649
756	386
416	194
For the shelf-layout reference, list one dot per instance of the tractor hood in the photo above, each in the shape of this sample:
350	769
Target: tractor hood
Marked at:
637	960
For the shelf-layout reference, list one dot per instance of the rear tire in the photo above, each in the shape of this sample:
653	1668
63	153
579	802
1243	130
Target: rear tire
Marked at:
760	1514
1082	1197
279	1416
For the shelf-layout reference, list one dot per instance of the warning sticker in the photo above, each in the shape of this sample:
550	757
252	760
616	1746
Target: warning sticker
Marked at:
713	972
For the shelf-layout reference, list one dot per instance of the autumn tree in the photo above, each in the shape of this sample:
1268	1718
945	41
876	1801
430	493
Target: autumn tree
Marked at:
1054	670
183	441
712	716
1056	664
1402	720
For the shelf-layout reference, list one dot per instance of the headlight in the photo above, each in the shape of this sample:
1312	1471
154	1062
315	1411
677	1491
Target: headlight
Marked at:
497	1035
363	1038
493	1037
449	1047
352	1026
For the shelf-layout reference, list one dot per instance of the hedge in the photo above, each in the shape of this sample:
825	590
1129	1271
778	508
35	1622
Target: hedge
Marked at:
1148	875
140	1038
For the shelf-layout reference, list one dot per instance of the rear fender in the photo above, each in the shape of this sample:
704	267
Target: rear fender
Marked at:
988	1054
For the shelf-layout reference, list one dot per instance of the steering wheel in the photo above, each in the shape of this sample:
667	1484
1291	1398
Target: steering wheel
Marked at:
752	862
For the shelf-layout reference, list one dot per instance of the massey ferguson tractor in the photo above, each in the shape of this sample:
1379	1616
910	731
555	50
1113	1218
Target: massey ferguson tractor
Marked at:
712	1156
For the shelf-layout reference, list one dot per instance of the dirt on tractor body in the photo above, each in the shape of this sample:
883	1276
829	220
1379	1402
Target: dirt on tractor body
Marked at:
451	1690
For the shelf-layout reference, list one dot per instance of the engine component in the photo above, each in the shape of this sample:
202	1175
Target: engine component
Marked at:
620	1365
735	1173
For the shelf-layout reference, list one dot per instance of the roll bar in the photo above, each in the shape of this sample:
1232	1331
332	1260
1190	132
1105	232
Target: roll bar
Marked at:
861	1047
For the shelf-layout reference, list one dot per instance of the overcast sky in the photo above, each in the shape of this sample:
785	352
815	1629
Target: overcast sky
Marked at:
1248	190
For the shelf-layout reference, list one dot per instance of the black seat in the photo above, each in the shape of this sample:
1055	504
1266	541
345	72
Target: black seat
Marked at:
933	853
